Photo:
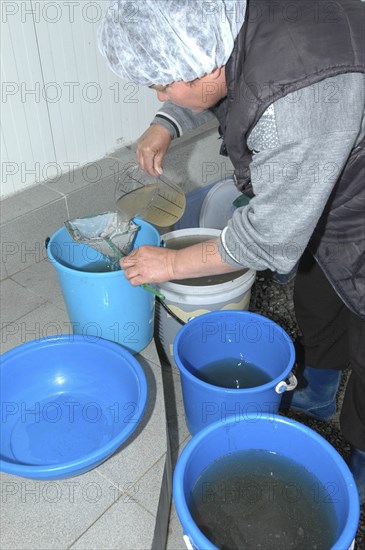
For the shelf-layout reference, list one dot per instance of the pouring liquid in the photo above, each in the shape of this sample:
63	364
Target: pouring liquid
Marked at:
154	206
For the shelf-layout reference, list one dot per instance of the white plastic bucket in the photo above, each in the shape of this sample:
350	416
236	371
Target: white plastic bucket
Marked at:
186	301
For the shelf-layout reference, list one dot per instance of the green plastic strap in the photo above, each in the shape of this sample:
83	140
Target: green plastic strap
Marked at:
242	200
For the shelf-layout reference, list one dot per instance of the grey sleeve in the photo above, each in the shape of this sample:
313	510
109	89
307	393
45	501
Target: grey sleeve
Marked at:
179	120
300	148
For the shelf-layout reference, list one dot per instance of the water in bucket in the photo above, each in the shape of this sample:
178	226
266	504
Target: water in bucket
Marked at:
183	241
262	500
216	338
273	470
233	373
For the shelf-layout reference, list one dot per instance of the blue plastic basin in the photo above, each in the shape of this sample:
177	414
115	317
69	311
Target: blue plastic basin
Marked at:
67	405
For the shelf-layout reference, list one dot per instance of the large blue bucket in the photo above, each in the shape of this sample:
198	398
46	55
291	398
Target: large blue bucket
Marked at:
279	435
220	335
104	305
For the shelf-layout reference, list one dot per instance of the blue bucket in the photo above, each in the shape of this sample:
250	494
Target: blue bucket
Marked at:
270	433
232	334
104	305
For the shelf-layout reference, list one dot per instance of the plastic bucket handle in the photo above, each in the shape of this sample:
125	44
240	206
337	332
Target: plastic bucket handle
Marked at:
288	385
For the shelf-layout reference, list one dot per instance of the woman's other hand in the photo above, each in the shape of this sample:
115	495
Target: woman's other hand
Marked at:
149	264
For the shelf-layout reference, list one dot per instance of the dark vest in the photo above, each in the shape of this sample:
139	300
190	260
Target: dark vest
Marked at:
285	45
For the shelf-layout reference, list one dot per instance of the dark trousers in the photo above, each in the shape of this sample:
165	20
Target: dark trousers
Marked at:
334	338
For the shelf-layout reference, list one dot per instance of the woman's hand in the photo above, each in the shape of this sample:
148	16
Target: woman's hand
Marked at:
153	264
151	149
149	264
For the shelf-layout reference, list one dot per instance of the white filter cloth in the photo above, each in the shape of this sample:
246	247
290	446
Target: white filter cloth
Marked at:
100	230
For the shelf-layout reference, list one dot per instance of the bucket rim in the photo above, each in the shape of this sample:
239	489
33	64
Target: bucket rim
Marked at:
91	460
118	273
182	509
234	391
209	231
248	278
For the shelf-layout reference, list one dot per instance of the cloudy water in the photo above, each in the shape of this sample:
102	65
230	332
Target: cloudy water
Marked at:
259	500
233	373
190	240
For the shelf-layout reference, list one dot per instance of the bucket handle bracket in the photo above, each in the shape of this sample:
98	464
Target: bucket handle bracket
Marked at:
287	385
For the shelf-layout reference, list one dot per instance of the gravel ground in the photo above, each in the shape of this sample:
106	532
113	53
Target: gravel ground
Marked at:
275	302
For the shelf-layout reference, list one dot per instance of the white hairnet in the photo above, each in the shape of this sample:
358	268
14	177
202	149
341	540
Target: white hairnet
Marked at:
164	41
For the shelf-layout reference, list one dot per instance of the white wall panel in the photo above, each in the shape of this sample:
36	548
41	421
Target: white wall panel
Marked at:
83	111
27	144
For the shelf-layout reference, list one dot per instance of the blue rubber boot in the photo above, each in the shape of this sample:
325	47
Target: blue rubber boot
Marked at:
357	467
315	394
